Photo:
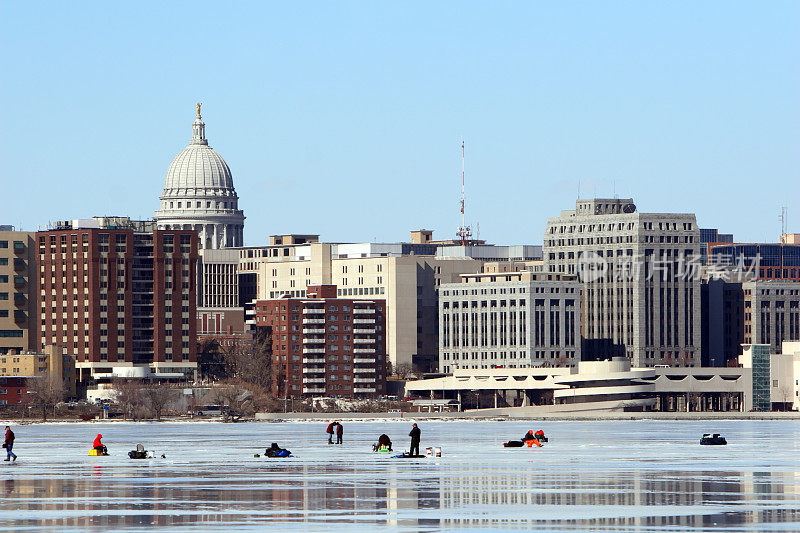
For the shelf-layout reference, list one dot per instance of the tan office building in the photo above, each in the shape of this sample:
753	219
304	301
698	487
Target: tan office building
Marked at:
51	359
18	317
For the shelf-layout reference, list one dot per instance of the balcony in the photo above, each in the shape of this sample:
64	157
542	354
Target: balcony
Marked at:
313	360
313	380
313	341
19	264
363	380
362	331
364	341
19	281
363	311
317	370
363	321
313	350
250	312
19	247
363	350
310	331
359	370
20	299
313	390
313	321
313	311
364	360
20	316
363	389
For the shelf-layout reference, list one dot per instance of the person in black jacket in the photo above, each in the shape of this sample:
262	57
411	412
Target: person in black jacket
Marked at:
415	434
383	440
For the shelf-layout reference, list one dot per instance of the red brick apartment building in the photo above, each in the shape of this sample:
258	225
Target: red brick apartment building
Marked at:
327	345
13	390
117	292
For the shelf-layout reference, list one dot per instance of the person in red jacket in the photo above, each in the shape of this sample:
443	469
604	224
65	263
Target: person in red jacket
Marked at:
8	444
99	446
339	432
330	431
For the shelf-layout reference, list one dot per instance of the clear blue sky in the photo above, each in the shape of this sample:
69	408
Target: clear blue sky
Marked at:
345	119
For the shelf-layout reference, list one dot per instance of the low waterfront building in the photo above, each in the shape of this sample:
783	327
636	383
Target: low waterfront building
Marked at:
588	386
763	381
13	390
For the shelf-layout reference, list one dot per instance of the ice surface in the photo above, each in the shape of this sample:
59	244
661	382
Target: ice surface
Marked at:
591	476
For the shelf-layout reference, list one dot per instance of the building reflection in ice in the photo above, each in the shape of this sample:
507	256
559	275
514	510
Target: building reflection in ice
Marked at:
383	494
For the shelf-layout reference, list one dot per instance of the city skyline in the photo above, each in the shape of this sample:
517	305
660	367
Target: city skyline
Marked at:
684	114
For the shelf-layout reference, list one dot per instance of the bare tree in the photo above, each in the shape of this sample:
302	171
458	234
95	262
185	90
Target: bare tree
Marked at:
158	396
786	393
130	397
45	391
233	397
251	361
404	370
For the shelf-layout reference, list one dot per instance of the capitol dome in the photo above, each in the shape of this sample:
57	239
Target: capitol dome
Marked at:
199	194
198	168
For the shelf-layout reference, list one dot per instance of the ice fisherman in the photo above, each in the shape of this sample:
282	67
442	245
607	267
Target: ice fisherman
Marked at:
98	445
415	435
384	440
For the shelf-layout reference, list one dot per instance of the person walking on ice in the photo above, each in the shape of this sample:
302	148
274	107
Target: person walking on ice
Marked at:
8	444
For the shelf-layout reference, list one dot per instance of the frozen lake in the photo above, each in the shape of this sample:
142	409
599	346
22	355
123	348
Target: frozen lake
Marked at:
608	476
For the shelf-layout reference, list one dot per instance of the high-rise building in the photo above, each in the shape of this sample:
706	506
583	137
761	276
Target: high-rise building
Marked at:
199	194
509	319
325	344
117	292
640	274
18	296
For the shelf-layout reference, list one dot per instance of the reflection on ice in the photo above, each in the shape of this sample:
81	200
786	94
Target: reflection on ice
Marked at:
623	476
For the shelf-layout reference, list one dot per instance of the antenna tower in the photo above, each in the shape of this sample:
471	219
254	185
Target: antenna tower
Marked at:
464	232
784	222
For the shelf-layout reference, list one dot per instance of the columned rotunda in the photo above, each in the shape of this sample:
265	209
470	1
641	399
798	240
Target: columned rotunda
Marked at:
199	194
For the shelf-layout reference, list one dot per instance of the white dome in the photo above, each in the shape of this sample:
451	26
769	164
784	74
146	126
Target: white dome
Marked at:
198	169
199	194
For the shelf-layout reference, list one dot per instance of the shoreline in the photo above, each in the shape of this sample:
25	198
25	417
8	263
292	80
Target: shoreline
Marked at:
446	417
476	415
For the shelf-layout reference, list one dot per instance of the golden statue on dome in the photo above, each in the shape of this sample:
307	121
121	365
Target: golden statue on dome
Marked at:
198	109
